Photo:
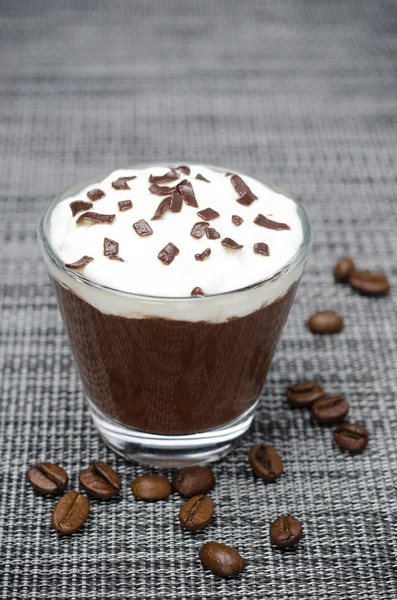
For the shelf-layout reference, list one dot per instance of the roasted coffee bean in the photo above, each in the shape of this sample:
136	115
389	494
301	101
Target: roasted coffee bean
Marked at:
351	437
70	513
285	531
151	487
304	393
330	409
221	559
48	478
100	480
325	321
196	513
193	481
344	269
370	283
265	462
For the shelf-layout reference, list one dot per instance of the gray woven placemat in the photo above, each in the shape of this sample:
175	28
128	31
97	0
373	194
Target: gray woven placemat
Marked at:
301	92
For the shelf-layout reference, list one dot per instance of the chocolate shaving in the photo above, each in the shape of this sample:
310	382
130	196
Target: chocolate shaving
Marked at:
176	202
212	233
203	254
168	253
79	264
197	291
265	222
208	214
110	247
79	205
184	169
121	183
199	176
169	176
236	220
162	207
114	257
95	218
229	243
161	190
95	194
246	195
229	174
185	188
198	229
124	204
261	248
142	228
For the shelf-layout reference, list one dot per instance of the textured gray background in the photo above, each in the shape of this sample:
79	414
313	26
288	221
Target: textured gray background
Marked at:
301	92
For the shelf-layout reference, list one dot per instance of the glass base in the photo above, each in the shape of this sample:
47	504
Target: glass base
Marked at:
171	450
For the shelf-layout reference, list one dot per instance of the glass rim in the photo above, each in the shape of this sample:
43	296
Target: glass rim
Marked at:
48	251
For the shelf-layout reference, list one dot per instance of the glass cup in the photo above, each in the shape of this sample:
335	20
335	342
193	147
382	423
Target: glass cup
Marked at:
164	388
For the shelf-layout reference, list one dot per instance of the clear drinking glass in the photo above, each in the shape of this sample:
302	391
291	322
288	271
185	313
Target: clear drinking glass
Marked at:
172	391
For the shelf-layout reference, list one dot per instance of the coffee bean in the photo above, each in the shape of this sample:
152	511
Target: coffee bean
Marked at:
351	437
70	513
151	487
48	478
265	462
344	269
325	321
330	409
304	393
193	481
221	559
196	513
100	480
285	531
370	283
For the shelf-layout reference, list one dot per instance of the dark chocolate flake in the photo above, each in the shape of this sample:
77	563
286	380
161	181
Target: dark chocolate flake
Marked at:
95	218
203	254
208	214
142	228
110	247
124	205
161	190
169	176
229	243
168	253
162	207
197	291
122	183
212	234
202	178
184	168
79	205
95	194
265	222
229	174
261	248
236	220
185	188
198	229
115	257
176	202
79	264
246	195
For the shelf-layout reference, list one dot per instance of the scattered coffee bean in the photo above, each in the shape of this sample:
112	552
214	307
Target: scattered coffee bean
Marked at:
221	559
285	531
351	437
193	481
265	462
344	269
330	409
196	513
151	487
70	513
47	478
326	321
304	393
370	283
100	480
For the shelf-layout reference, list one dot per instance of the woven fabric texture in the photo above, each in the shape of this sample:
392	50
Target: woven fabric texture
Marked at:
300	92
